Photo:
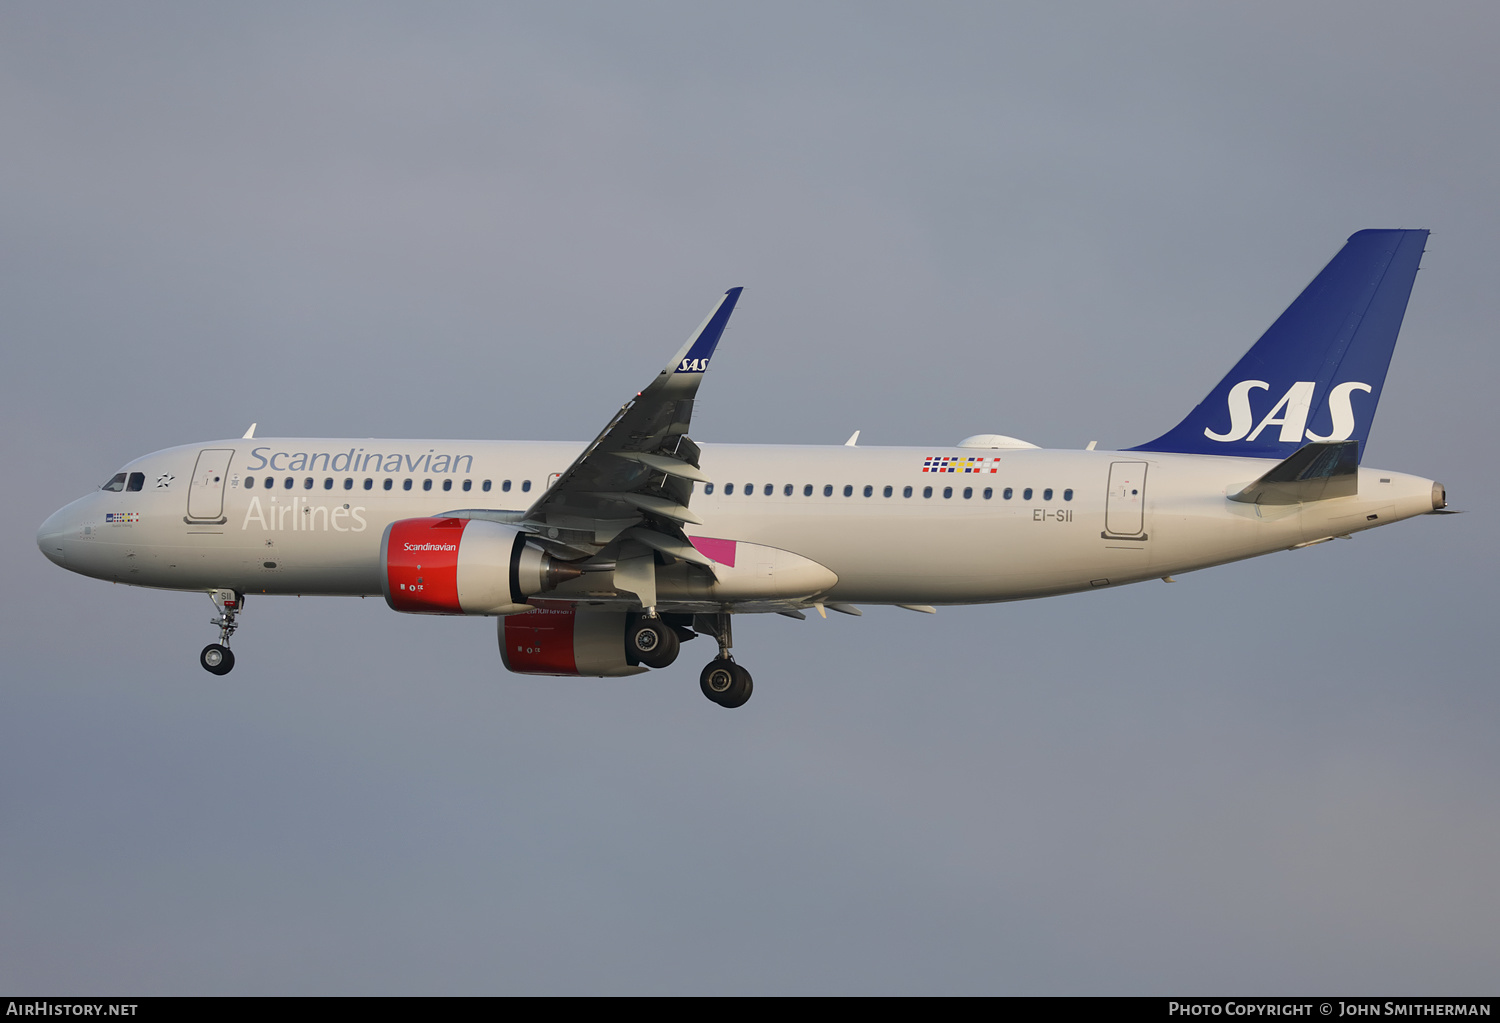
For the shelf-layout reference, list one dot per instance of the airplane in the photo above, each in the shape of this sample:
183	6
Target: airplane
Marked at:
602	559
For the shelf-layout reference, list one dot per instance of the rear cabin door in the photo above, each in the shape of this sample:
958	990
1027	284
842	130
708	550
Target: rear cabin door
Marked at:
206	491
1124	508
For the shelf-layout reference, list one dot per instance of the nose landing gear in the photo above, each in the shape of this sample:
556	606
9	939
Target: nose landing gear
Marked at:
723	681
217	657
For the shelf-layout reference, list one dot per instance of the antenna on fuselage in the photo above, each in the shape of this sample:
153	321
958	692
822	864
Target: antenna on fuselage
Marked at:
250	433
853	440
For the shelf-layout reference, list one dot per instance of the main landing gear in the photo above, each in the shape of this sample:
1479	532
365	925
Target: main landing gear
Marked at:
723	681
217	657
652	641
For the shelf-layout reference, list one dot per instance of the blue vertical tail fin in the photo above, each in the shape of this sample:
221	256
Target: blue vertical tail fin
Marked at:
1316	375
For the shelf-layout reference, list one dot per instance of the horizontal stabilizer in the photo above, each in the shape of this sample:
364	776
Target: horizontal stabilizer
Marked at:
1315	472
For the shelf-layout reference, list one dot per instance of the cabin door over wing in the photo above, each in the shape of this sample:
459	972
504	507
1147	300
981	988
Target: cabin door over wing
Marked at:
1124	508
206	491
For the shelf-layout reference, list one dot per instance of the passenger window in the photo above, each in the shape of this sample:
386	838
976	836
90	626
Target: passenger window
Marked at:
249	482
116	483
947	492
369	483
525	486
807	490
926	491
1026	494
968	493
989	492
848	490
708	488
787	490
328	483
906	491
887	491
288	483
869	490
828	490
729	488
486	486
137	481
1007	494
388	483
447	484
1068	495
406	484
505	486
468	485
307	483
427	484
348	483
1047	494
770	489
269	482
749	489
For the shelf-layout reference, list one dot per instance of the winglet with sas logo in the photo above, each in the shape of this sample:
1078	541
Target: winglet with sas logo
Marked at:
694	356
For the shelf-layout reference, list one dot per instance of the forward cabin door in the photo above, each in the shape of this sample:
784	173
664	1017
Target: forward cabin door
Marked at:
206	490
1125	507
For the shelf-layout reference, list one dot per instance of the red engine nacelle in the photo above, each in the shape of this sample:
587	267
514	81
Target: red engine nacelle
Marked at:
566	641
449	566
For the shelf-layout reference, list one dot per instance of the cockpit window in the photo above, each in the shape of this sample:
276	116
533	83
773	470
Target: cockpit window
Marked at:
116	483
136	482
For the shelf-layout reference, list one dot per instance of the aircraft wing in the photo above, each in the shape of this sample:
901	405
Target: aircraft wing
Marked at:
632	485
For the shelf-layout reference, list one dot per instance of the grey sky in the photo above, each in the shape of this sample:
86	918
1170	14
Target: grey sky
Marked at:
463	220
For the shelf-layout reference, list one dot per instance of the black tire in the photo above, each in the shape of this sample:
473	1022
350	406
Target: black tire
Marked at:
217	659
652	642
725	683
744	686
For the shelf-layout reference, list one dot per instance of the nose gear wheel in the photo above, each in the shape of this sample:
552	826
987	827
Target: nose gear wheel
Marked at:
217	657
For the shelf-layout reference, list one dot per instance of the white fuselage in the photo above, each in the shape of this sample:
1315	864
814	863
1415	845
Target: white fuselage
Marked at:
312	520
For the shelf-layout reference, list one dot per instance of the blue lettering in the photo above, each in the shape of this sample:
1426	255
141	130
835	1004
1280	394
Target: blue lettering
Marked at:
349	461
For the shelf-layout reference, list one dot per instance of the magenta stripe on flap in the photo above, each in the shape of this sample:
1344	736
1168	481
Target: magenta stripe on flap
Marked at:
721	551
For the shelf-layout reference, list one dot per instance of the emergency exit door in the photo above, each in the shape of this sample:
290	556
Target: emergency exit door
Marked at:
206	490
1125	507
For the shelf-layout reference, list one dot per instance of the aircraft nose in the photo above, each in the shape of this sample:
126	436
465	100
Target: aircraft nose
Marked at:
50	537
